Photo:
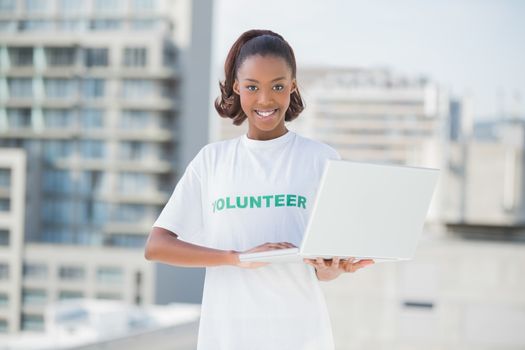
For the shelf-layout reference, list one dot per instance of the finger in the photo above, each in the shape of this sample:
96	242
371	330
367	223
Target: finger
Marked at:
364	263
353	267
349	266
320	262
335	262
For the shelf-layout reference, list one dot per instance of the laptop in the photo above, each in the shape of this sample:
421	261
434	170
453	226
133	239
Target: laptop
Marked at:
363	211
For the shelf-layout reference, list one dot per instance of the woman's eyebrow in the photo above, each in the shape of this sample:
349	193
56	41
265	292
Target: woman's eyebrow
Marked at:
256	81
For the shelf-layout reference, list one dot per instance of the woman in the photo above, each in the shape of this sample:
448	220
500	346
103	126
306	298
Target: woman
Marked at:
250	194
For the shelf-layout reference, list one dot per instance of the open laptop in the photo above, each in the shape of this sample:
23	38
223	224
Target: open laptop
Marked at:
363	211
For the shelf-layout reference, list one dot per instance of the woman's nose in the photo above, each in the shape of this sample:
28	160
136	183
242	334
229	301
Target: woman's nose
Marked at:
265	97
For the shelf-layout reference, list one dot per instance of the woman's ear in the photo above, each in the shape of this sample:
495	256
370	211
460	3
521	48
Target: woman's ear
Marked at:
294	86
236	87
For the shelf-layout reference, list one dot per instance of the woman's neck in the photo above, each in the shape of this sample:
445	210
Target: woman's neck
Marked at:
261	135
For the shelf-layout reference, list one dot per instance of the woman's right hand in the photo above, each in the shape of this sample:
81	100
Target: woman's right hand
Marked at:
261	248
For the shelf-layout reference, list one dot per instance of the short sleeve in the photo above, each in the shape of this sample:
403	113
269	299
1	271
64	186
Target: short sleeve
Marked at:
183	212
336	155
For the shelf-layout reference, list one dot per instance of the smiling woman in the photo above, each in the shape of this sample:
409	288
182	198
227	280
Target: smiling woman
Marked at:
260	85
252	194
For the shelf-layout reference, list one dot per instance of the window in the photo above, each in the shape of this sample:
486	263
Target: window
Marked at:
21	56
90	236
92	149
167	121
143	24
57	181
55	149
169	55
66	294
59	211
4	299
71	273
109	296
105	24
59	235
32	322
94	213
60	56
135	57
108	5
133	119
71	6
7	26
36	6
3	326
93	88
128	213
58	118
92	118
33	296
96	57
91	181
4	271
4	237
165	183
5	178
137	88
142	5
58	88
125	240
5	205
18	118
167	88
72	25
7	6
132	150
34	25
110	274
128	182
20	87
34	270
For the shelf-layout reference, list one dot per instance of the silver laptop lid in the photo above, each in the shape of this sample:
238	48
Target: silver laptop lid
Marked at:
369	210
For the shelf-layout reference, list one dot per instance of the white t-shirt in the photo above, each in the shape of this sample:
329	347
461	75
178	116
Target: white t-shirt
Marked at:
238	194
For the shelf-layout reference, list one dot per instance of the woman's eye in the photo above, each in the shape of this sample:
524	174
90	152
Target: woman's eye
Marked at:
251	88
278	87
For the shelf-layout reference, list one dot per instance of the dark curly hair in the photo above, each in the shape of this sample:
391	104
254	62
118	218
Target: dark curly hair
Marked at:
254	42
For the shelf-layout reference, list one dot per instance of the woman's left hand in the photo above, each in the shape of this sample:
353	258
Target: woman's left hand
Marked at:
330	269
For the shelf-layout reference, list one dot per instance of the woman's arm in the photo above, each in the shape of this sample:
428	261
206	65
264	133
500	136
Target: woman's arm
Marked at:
164	246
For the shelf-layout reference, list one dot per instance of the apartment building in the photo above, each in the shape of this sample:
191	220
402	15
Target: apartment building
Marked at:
91	97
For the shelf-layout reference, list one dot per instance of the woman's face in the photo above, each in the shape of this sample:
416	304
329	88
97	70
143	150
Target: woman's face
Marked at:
264	84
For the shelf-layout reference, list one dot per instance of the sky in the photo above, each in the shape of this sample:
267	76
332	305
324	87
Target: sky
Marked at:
472	48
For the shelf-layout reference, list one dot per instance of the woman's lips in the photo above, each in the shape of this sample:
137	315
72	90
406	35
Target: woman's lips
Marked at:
266	113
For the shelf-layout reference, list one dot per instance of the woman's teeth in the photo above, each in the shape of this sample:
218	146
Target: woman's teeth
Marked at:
265	114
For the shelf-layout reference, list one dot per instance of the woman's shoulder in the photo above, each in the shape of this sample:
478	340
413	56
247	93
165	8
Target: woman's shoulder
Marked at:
219	146
317	147
214	149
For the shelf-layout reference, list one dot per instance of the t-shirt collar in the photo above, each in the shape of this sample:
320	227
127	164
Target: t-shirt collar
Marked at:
278	141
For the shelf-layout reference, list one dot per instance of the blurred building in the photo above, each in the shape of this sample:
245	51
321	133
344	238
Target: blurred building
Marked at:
486	181
94	324
93	93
